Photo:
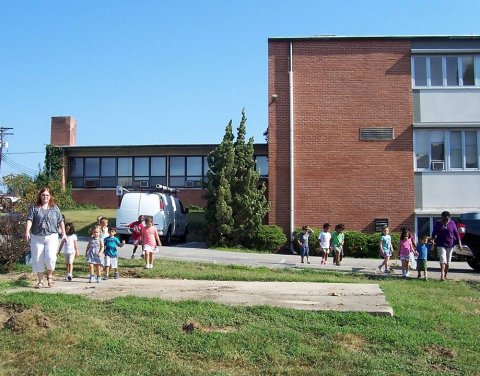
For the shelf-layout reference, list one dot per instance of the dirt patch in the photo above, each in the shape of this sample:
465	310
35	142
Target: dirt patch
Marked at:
130	273
19	320
350	342
440	352
190	326
5	313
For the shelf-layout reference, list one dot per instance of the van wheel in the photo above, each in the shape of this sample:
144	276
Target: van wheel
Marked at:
167	240
183	238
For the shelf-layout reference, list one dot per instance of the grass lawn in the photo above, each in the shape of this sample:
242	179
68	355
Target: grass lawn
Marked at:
84	219
435	330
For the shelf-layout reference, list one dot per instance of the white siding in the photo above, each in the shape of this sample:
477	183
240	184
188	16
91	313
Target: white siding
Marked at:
447	105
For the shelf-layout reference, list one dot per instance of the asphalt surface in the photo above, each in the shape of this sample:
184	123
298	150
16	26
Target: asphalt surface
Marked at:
197	252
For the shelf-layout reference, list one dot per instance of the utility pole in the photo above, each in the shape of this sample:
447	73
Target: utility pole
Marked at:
3	143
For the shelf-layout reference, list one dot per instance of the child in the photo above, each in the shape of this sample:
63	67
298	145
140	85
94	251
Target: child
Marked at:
70	249
404	250
103	227
324	239
111	257
94	254
303	242
150	240
338	238
386	249
423	247
136	228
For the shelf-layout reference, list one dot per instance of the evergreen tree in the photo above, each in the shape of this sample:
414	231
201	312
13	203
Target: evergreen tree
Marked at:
221	169
223	212
249	204
236	204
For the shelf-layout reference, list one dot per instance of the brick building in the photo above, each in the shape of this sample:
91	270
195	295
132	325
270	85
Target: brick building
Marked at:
96	171
367	129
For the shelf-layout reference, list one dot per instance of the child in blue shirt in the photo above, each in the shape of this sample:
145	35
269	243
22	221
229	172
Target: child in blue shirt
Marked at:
303	243
423	247
111	243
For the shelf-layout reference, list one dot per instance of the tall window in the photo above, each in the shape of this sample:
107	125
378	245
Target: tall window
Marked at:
125	172
76	171
471	149
108	172
158	171
194	171
92	172
141	172
450	71
177	172
422	154
261	164
456	155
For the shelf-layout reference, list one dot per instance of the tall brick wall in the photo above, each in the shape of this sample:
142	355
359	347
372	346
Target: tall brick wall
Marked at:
106	198
341	86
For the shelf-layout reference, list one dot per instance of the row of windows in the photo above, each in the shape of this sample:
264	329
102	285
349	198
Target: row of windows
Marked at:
446	149
108	172
446	71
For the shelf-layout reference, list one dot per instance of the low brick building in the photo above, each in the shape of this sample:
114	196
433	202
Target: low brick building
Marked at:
96	171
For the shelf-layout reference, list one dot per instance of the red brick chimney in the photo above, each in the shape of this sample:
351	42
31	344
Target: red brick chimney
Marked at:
63	131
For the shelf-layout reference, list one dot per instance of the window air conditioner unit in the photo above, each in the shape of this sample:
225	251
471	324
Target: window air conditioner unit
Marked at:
189	183
438	165
144	183
90	183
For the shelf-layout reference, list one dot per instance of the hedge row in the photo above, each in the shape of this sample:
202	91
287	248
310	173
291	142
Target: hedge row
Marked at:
357	244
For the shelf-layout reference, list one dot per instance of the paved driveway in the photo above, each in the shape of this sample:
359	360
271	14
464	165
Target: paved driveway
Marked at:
197	252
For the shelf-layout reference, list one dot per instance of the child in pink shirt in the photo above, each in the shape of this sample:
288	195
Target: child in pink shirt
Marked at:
404	250
150	240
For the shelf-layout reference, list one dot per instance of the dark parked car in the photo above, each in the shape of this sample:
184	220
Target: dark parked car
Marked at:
469	228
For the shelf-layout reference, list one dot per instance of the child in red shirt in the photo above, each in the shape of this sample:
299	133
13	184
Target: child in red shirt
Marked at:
136	228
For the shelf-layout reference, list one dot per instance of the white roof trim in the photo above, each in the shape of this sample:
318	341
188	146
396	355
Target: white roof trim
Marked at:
446	125
437	211
445	50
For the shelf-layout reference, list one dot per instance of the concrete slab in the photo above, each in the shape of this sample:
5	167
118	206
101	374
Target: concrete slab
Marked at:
297	295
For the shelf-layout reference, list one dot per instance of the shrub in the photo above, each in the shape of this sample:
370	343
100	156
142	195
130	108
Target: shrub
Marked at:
355	244
358	244
195	208
269	238
13	246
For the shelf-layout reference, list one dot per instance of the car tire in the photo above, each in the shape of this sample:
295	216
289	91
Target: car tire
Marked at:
474	263
183	238
167	240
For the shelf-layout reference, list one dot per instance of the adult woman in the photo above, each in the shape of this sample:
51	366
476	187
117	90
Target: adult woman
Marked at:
445	236
43	223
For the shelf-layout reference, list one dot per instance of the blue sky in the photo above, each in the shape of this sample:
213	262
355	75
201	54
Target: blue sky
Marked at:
169	72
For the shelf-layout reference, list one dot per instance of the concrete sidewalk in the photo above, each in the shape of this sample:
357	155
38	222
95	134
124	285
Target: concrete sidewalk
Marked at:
296	295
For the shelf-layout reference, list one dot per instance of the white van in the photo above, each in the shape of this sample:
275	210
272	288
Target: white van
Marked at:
169	216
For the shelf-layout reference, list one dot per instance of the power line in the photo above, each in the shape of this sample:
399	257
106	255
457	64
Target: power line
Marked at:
26	152
17	167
